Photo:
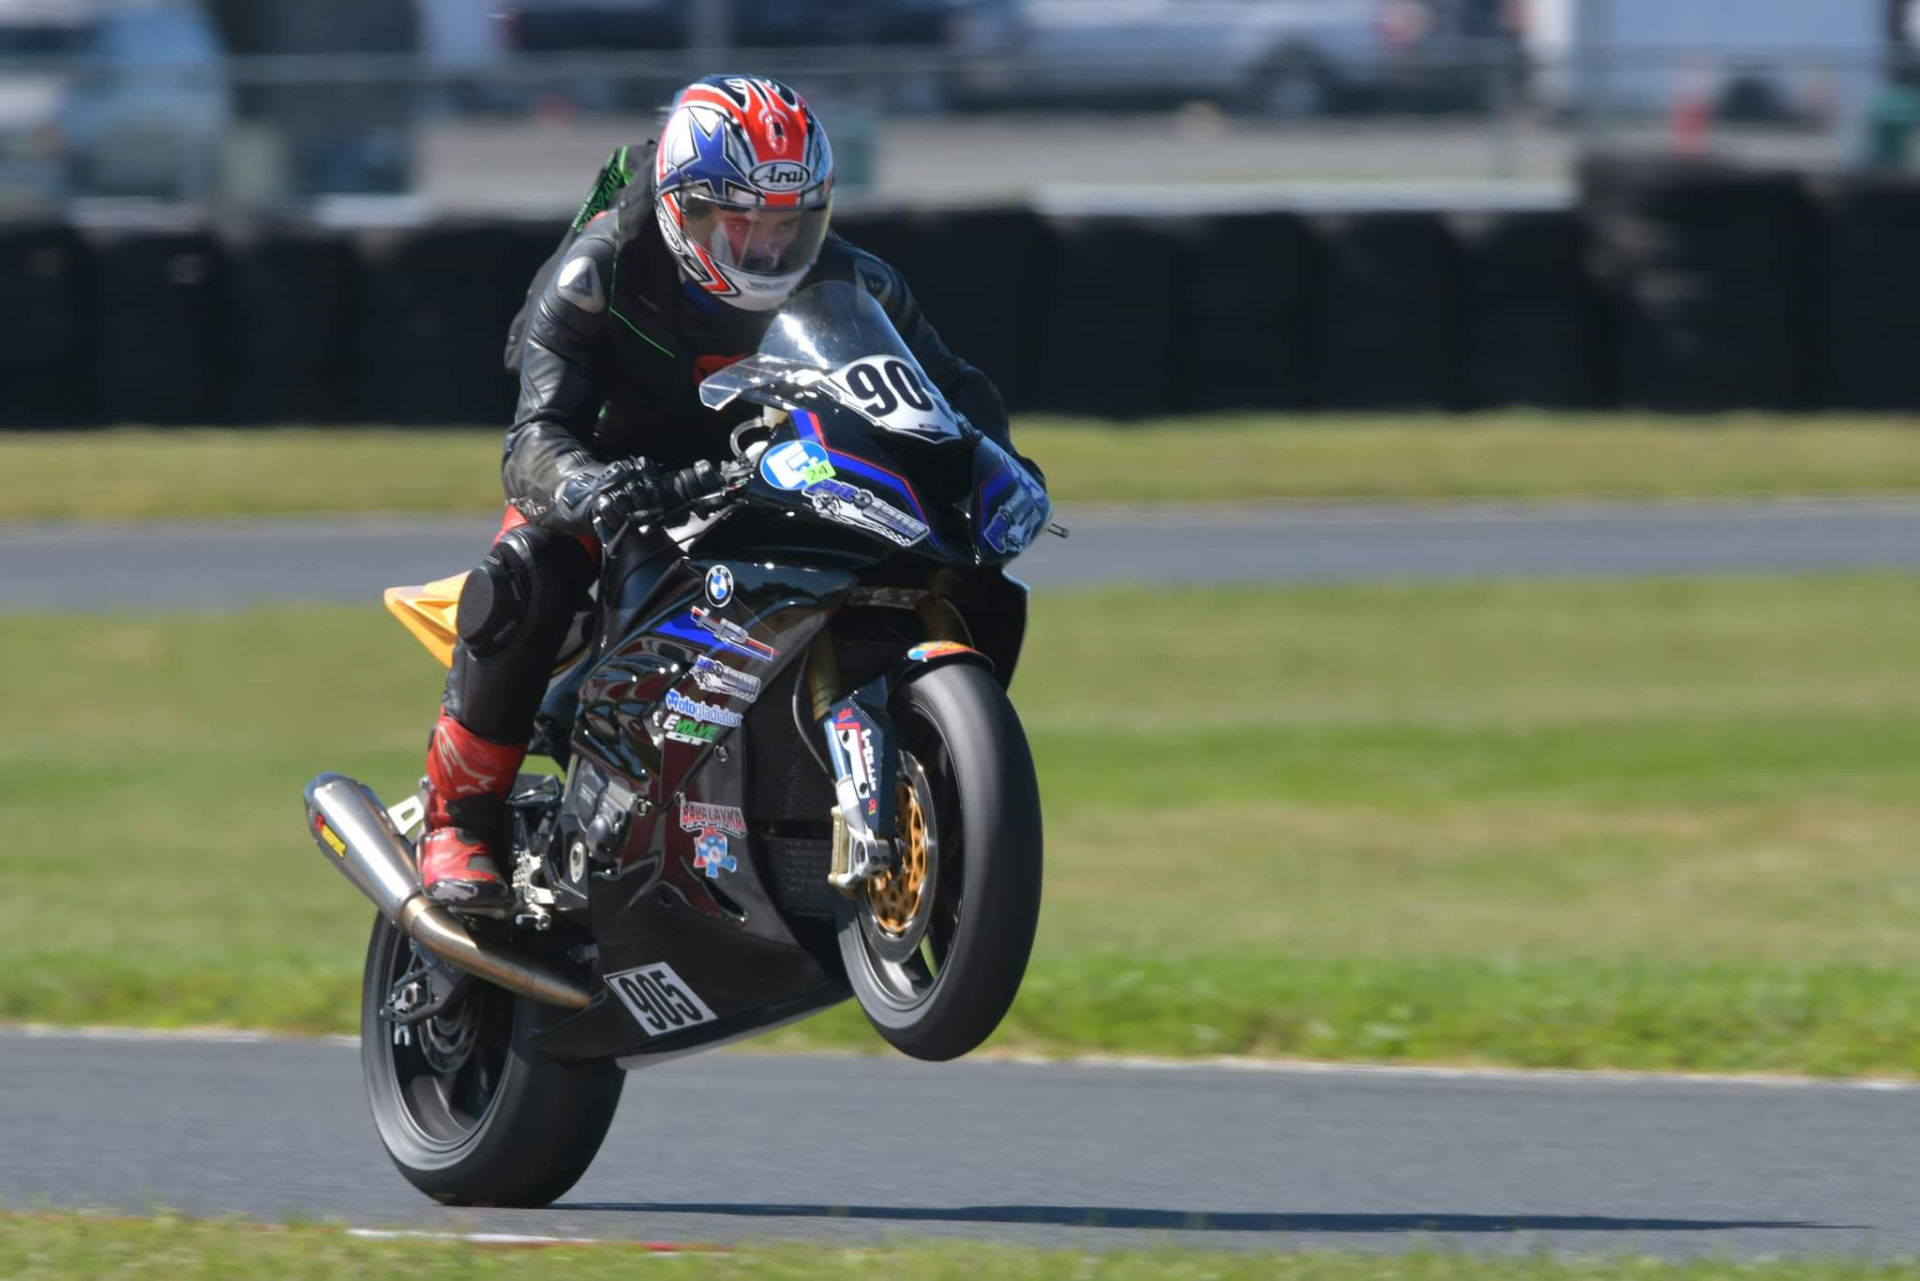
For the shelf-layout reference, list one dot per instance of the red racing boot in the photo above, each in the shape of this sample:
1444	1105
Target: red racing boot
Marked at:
468	779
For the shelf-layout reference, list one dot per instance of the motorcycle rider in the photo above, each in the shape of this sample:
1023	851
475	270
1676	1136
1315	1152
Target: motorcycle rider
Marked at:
671	271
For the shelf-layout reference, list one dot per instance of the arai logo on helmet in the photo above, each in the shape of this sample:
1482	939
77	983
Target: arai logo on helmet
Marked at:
780	176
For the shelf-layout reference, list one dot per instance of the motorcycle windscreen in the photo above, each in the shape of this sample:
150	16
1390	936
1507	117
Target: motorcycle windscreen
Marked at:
836	339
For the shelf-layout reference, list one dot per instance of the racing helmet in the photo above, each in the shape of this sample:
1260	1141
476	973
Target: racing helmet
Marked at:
742	188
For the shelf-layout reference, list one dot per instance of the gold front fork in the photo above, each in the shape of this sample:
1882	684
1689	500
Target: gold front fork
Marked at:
823	674
940	620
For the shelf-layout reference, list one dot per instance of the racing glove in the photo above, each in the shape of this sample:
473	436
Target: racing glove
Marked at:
599	500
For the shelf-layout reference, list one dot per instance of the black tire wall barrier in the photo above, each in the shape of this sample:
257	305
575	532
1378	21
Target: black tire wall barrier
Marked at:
1673	287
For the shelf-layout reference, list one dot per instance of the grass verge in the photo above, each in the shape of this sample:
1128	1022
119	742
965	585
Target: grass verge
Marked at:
60	1247
141	474
1655	824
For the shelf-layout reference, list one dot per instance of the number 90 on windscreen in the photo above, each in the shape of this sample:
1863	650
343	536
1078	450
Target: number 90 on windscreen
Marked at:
892	394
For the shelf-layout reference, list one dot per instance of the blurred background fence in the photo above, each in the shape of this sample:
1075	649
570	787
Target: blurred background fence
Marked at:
281	210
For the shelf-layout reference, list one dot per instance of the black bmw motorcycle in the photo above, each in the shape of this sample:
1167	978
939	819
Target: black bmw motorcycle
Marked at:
792	775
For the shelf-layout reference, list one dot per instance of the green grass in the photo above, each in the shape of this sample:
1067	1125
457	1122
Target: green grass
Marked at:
139	474
1664	823
69	1247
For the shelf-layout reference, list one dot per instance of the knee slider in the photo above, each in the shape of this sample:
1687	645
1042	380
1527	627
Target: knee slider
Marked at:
529	574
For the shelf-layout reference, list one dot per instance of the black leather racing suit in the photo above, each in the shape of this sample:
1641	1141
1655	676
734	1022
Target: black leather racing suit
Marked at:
610	362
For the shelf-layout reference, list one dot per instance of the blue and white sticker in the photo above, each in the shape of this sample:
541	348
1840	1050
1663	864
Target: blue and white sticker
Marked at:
795	465
710	854
719	586
711	713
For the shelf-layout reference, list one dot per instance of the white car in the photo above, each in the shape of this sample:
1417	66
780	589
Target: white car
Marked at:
1285	58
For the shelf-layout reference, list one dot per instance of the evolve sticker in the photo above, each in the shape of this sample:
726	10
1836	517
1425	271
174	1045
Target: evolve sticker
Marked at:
851	505
717	678
938	649
659	1000
710	855
704	627
719	586
711	713
795	465
684	729
695	815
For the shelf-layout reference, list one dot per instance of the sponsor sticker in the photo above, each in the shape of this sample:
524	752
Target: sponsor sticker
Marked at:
698	815
717	678
706	628
852	740
329	837
659	1000
684	729
710	855
1016	522
719	586
938	649
711	713
860	508
795	465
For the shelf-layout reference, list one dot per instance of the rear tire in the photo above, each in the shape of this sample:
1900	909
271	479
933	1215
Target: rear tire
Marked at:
507	1126
965	956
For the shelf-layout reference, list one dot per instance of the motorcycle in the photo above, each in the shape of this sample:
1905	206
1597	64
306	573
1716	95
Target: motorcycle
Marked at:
791	775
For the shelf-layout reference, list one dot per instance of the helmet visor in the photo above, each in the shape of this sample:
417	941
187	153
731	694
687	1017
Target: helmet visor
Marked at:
755	240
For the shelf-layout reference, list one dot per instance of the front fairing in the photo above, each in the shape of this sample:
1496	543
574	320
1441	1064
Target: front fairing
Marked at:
870	446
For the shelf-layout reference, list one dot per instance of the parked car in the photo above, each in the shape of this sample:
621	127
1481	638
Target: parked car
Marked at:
1282	58
147	113
32	34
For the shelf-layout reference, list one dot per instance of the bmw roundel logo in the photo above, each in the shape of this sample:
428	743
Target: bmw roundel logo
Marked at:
719	586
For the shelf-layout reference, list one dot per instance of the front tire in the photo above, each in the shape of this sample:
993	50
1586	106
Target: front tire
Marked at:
467	1110
936	963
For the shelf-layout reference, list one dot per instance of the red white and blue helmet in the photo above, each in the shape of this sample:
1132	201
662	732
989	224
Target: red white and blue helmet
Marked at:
742	187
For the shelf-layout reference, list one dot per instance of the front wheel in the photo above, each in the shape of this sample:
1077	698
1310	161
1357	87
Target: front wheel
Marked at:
469	1112
935	949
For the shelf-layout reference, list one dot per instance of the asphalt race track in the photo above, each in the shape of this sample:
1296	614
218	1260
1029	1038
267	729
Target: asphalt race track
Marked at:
224	564
741	1147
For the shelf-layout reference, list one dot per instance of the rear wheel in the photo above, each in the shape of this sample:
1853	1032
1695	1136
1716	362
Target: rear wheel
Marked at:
468	1111
935	950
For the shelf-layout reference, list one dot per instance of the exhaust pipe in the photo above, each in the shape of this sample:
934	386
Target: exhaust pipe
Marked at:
353	830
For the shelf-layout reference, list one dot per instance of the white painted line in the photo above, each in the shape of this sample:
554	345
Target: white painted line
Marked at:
517	1239
188	1035
1136	1062
1445	1072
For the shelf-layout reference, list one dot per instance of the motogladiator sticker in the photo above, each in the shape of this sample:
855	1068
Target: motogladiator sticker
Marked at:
659	1000
938	649
717	678
710	855
711	713
846	504
795	465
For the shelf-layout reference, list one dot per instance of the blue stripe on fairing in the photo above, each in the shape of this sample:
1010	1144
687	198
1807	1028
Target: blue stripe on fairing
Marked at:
684	628
861	467
810	422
